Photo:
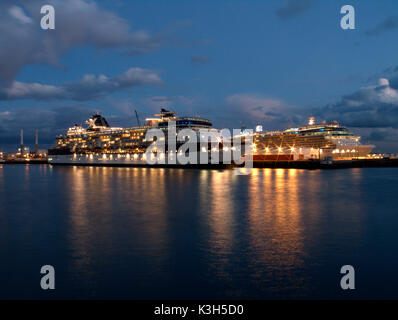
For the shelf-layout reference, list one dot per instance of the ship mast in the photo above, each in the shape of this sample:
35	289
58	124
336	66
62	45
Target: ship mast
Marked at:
22	147
138	119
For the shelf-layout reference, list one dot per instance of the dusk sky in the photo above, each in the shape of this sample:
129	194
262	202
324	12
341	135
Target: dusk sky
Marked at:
273	63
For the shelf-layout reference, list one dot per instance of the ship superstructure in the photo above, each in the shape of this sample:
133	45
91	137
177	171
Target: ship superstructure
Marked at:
315	140
99	143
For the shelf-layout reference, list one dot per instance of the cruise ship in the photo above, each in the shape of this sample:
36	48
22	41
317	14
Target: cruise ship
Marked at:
100	144
313	141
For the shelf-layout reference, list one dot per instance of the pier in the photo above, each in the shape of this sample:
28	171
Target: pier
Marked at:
298	164
339	164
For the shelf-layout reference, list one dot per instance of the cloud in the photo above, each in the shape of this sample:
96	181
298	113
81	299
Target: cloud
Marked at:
19	14
88	88
78	23
374	106
199	59
252	104
253	109
384	138
293	8
369	107
389	23
21	90
154	103
371	112
126	107
181	104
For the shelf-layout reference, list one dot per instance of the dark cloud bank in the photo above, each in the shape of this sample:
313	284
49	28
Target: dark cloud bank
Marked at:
88	88
78	23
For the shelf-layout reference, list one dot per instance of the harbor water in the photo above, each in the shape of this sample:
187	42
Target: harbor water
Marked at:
157	233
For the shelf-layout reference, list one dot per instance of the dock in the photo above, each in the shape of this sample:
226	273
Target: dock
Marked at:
25	161
339	164
297	164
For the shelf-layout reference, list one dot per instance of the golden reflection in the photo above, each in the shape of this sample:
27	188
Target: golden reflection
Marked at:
27	174
356	174
3	221
275	222
221	212
218	211
106	202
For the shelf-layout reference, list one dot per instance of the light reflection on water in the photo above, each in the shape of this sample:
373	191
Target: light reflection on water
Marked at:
276	230
172	233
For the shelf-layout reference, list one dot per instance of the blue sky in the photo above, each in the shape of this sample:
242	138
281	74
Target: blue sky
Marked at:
235	62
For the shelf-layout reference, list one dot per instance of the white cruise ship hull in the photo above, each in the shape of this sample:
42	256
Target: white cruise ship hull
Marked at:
122	160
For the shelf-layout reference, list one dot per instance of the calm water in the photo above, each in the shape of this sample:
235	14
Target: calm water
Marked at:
172	233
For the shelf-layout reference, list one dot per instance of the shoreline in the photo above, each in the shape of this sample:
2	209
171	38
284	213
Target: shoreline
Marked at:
280	164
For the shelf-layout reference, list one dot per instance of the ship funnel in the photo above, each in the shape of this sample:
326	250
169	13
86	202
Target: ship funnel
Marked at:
311	121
